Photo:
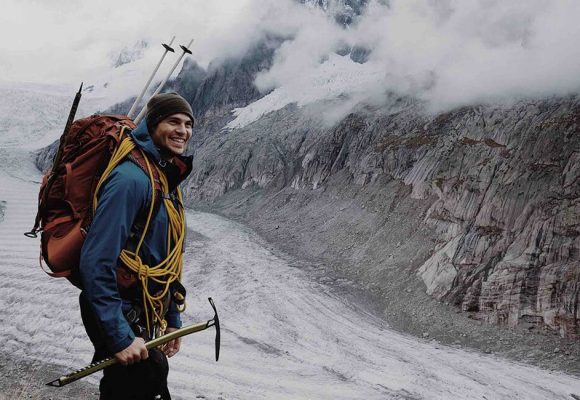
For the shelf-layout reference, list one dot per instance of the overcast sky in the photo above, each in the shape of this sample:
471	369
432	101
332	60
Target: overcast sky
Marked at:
61	40
448	52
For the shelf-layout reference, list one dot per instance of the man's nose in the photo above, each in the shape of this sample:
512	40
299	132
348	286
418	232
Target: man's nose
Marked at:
182	128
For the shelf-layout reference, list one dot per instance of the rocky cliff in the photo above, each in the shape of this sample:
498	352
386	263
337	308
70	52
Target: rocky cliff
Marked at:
481	204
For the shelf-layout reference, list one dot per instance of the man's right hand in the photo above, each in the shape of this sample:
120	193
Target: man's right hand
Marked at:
134	353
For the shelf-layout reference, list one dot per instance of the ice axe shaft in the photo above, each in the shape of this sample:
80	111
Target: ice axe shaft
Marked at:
168	49
107	362
185	51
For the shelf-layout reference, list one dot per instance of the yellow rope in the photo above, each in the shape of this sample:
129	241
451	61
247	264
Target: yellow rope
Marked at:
168	270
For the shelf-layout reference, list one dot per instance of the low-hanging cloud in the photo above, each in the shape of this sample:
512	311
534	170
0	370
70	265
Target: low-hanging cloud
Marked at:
445	52
64	41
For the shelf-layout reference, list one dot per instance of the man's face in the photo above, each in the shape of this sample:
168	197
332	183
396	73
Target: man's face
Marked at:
173	133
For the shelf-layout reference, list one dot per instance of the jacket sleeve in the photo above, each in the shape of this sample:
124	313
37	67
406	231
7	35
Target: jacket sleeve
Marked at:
119	201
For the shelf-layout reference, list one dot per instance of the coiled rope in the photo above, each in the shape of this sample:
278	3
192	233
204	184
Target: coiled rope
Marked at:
168	270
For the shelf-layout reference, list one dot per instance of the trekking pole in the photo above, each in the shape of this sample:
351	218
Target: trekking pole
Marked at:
185	51
55	162
168	49
107	362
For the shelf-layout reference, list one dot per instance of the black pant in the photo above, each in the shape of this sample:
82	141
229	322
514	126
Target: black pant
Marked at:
145	380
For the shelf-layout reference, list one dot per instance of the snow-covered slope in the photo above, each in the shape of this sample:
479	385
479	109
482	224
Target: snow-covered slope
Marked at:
33	116
339	77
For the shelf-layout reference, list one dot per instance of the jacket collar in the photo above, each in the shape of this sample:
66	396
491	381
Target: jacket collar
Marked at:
175	172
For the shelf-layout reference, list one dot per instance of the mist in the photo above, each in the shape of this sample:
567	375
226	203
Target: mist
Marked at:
447	53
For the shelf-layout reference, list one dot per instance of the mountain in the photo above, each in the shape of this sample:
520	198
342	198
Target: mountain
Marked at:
480	204
34	115
477	207
130	54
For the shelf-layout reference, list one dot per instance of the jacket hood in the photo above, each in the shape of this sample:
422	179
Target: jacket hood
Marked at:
143	140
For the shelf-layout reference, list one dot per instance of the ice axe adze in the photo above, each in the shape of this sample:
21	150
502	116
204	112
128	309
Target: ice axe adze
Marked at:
107	362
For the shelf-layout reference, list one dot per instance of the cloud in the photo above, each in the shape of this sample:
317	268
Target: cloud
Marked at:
445	52
64	40
482	51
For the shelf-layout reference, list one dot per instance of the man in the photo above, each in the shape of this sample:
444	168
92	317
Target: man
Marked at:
113	306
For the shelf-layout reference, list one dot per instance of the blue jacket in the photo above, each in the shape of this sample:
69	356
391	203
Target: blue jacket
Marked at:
122	196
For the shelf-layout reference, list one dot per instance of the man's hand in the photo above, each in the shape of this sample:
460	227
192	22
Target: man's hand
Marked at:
171	348
134	353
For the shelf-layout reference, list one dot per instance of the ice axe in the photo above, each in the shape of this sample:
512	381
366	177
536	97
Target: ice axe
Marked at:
107	362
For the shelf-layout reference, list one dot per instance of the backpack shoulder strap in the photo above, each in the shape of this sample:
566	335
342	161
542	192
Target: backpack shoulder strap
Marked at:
137	157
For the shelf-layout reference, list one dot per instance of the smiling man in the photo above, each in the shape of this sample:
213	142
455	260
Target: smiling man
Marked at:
121	307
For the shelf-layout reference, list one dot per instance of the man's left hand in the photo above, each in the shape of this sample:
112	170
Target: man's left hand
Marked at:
171	348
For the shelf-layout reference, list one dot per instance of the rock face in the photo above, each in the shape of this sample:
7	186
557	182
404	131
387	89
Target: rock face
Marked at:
507	188
484	201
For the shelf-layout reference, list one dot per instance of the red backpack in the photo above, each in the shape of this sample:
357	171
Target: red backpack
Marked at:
65	201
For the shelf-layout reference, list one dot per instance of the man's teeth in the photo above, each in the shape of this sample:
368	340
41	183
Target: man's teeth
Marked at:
178	140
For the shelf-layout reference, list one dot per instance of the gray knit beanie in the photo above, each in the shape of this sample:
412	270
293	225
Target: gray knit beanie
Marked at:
163	105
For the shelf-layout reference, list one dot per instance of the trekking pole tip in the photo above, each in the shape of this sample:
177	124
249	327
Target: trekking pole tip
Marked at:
81	88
